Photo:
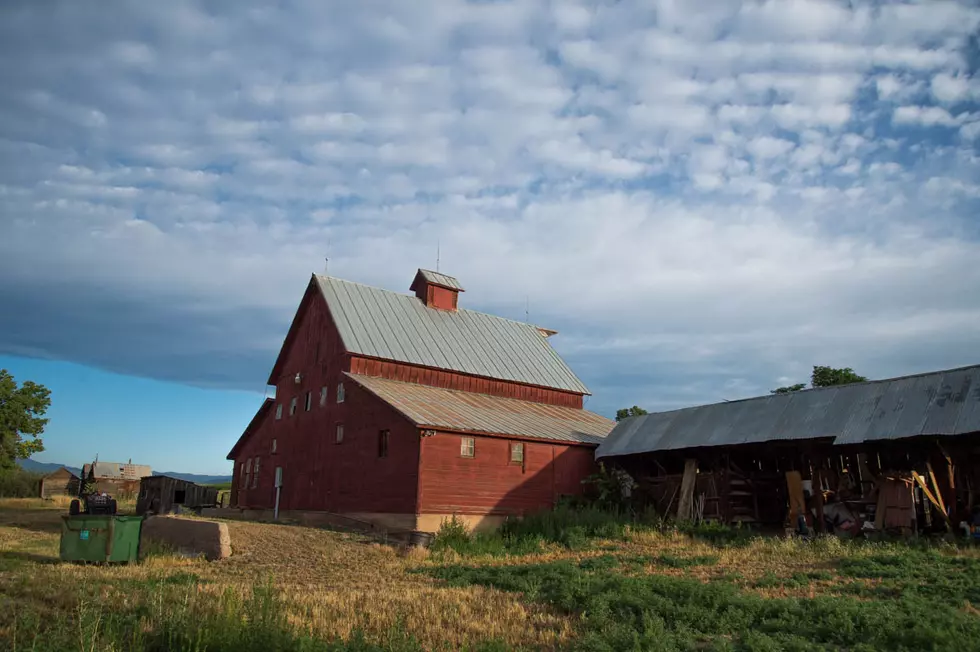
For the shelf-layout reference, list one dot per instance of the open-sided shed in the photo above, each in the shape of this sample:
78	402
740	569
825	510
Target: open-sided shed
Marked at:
901	452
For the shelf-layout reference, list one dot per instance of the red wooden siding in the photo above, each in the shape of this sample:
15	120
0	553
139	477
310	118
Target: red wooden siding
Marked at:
454	380
489	483
318	473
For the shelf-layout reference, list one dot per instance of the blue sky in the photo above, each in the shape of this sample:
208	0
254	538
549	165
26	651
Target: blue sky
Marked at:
704	198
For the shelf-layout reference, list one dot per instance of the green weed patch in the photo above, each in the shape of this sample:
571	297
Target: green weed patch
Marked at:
647	612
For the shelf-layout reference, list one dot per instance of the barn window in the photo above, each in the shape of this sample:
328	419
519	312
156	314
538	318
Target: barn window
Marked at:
467	447
248	472
340	432
517	453
278	411
292	407
255	475
180	495
273	446
323	396
340	392
383	443
309	401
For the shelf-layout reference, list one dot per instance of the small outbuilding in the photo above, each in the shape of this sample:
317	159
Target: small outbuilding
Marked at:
59	483
161	494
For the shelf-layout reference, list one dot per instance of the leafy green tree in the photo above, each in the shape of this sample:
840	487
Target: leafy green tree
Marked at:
789	388
21	422
824	377
828	377
626	413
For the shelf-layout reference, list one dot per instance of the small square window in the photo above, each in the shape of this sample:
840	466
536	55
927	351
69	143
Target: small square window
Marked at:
383	443
309	401
292	406
273	446
517	453
340	392
278	411
340	433
467	447
323	396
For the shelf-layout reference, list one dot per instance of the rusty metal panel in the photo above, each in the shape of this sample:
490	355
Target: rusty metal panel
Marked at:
938	403
435	407
392	326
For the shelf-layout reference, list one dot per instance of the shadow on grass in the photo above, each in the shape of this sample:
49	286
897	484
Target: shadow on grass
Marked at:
34	521
12	555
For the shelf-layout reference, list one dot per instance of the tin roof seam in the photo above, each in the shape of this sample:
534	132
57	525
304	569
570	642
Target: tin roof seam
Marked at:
391	326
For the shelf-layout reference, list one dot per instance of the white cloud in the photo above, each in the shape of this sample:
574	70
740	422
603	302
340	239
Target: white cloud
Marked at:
711	190
767	147
924	115
949	89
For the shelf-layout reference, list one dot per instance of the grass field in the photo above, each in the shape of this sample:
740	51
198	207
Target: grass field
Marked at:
599	587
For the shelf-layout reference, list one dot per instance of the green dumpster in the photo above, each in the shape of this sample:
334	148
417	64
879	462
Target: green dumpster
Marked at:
97	538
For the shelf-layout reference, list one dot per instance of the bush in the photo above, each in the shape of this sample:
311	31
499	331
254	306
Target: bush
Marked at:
18	483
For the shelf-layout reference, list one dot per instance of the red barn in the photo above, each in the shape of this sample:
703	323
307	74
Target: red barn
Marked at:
404	409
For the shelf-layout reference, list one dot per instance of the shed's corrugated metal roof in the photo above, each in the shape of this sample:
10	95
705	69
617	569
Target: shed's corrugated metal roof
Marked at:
436	278
434	407
392	326
937	403
122	470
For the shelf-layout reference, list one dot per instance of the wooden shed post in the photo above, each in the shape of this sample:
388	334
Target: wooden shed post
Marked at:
686	503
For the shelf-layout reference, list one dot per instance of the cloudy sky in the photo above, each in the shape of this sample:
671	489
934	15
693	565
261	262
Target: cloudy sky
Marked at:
704	198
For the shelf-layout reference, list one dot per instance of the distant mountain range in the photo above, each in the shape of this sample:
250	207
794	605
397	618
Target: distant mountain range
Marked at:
48	467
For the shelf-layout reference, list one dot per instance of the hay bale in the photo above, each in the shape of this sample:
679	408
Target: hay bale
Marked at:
188	536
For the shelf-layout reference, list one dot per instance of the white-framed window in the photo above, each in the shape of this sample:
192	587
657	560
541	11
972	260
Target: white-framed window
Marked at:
323	396
340	433
517	453
340	392
274	446
278	411
292	406
255	474
383	443
467	447
309	401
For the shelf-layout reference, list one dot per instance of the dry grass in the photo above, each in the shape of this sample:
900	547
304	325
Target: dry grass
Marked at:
334	583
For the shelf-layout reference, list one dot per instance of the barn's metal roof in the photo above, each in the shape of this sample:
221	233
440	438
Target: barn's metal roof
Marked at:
937	403
392	326
437	408
435	278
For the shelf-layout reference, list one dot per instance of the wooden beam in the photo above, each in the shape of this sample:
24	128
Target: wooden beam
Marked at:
818	497
932	499
687	490
797	501
935	487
